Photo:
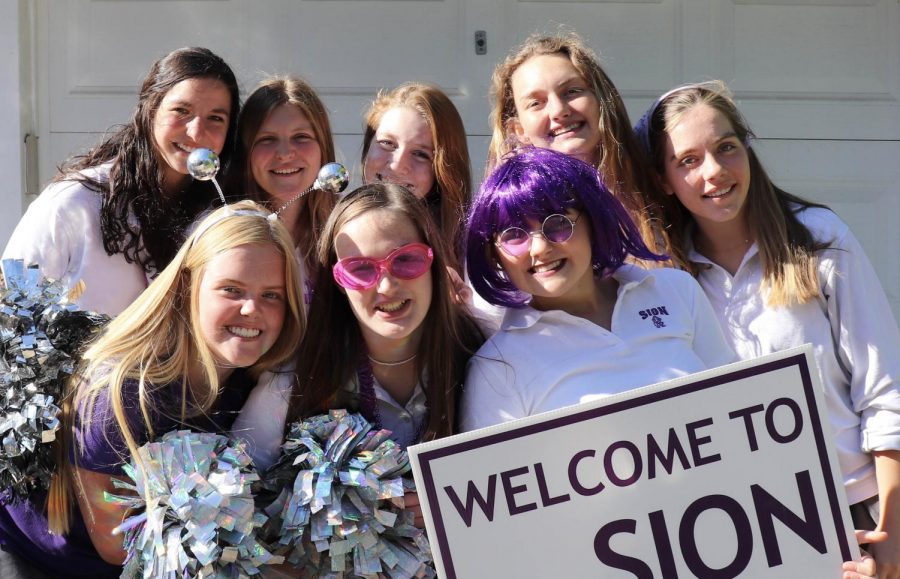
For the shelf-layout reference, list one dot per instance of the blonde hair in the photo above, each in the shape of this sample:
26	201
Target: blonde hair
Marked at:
156	340
269	95
622	164
452	172
787	249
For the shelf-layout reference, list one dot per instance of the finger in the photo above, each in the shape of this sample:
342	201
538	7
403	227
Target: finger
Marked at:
863	537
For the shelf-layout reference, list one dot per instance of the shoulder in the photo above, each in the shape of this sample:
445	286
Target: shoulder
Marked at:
657	280
823	223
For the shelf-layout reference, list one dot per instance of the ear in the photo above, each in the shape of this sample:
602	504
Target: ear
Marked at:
515	131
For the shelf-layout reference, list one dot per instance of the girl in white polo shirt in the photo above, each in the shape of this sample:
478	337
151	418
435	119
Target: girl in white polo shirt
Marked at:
781	272
548	241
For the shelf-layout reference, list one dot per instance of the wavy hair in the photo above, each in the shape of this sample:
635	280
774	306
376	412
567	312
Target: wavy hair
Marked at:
449	198
787	249
156	341
531	184
333	346
622	163
134	189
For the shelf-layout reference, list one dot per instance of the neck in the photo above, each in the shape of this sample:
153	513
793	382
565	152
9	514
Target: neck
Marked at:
174	182
594	303
290	217
196	376
724	244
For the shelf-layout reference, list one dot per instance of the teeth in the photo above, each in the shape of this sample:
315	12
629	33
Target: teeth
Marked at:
285	171
544	267
243	332
719	192
391	307
561	130
185	148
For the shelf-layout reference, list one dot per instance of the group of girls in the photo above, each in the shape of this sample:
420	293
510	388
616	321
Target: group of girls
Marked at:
361	303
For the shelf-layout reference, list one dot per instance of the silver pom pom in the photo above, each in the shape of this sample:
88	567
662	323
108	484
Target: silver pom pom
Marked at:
335	502
197	515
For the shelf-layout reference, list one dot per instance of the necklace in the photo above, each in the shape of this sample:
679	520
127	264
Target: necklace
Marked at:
400	363
292	200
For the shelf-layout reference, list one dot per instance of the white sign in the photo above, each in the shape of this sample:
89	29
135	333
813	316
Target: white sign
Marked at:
725	473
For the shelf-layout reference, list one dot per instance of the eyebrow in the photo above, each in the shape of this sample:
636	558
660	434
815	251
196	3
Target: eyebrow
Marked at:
232	281
189	104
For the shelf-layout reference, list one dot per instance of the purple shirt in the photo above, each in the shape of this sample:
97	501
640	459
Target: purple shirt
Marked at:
23	525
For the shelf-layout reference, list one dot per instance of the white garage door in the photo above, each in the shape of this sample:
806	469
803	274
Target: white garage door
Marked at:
818	79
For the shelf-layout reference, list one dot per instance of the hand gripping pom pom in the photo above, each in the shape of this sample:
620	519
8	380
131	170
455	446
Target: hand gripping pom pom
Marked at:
196	517
41	337
335	502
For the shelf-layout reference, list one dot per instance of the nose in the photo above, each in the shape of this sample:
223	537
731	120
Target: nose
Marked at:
557	107
195	128
249	307
399	162
284	149
538	245
712	168
386	281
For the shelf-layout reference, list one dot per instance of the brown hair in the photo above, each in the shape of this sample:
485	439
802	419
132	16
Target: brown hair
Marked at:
134	190
269	95
786	247
622	164
333	347
452	173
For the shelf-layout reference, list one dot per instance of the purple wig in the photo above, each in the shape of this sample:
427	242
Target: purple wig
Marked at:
531	184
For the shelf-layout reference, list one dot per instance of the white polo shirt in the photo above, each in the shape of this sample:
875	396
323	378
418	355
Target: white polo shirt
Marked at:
855	338
662	327
60	232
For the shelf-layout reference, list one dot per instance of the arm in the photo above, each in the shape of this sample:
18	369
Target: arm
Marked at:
491	393
710	344
44	234
100	517
262	419
887	553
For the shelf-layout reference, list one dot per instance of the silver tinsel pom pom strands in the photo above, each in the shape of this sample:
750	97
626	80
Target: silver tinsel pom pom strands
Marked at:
338	502
41	335
197	517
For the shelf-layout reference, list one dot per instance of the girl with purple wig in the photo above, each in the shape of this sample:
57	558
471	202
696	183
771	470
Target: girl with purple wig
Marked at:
547	240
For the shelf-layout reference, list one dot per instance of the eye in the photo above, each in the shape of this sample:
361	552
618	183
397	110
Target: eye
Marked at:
532	104
728	147
688	161
424	155
387	144
575	90
303	137
218	119
272	295
180	110
231	290
264	140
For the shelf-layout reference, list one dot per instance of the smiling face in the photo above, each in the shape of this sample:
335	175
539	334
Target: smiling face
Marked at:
391	313
241	304
402	152
557	275
193	114
286	156
707	167
555	107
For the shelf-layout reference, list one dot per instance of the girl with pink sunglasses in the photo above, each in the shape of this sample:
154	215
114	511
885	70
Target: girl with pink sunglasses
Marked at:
385	336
